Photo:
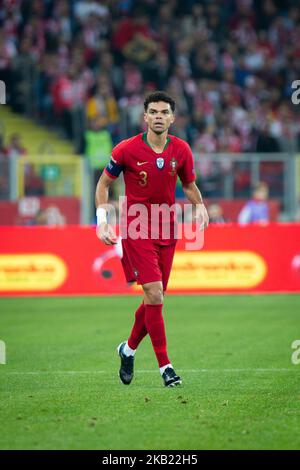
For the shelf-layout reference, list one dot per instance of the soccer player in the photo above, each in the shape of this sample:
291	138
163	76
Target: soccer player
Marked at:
150	163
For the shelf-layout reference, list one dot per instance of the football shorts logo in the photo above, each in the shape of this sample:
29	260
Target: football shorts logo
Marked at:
160	163
141	163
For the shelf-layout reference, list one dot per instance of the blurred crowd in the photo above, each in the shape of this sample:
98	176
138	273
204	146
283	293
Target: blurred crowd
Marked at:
84	67
88	64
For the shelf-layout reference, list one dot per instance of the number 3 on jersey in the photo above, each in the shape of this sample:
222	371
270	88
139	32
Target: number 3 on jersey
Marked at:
144	176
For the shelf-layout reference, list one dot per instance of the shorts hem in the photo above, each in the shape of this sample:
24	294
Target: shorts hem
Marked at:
142	282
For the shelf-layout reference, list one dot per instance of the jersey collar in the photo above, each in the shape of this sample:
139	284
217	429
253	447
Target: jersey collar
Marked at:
144	137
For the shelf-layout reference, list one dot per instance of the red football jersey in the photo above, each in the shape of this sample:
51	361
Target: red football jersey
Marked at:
150	177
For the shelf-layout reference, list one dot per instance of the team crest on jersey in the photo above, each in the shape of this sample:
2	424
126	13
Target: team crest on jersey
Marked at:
173	165
160	163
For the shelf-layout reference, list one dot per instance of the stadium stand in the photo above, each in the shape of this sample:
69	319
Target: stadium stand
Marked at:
83	67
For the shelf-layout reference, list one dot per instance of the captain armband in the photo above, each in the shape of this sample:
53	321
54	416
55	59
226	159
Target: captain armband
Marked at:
113	168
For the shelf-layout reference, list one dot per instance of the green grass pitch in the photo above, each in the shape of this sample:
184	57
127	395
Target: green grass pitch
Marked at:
60	388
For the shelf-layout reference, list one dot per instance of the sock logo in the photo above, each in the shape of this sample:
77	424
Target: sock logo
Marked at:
2	352
296	354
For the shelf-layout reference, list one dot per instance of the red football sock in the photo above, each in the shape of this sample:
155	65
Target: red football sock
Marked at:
155	325
139	329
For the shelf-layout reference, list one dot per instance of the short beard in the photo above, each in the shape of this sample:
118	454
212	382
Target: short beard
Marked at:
158	132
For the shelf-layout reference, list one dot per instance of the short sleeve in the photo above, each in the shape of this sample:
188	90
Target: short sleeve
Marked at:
116	163
186	171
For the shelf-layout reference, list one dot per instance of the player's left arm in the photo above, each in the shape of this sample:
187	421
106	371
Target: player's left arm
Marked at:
193	194
187	175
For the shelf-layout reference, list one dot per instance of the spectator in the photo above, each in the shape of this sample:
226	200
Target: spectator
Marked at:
140	49
50	216
265	142
98	147
15	147
102	109
257	209
62	99
215	213
4	171
8	52
85	9
3	149
34	184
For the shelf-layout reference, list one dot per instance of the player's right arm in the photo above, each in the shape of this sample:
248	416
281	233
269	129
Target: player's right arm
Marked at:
115	166
104	231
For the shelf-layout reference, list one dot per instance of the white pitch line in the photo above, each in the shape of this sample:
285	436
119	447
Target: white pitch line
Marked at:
147	371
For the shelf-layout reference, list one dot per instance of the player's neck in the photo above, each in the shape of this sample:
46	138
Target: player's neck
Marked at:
157	141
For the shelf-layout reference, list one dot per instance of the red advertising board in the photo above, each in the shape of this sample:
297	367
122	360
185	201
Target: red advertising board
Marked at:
71	260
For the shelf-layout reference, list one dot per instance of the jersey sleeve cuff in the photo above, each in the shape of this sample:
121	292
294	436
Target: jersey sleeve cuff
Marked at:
191	180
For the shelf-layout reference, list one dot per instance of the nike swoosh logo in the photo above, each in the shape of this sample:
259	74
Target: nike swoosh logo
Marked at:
141	163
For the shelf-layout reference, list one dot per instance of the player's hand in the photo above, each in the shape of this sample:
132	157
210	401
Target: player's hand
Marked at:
106	234
201	217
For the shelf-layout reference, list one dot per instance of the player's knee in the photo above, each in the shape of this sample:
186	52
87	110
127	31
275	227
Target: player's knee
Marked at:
156	298
154	294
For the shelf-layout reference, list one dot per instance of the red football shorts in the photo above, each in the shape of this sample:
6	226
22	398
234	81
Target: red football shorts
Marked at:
147	260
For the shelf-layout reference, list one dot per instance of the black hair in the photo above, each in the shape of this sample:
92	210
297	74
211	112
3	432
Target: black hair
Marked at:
157	96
